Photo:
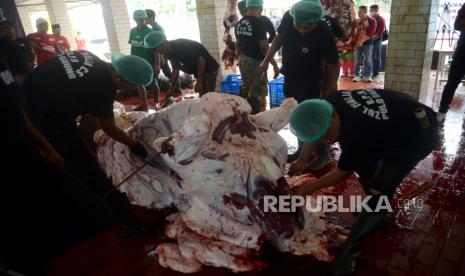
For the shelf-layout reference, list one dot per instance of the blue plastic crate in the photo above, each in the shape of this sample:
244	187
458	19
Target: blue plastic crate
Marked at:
276	91
231	84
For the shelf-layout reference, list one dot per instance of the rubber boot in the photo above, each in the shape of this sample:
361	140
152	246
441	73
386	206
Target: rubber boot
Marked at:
321	160
363	228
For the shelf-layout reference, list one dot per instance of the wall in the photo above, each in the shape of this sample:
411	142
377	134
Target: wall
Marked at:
411	42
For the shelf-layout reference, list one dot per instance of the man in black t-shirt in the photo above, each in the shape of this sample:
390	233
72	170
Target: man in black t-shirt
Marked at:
188	56
383	135
32	193
79	83
269	27
252	45
310	60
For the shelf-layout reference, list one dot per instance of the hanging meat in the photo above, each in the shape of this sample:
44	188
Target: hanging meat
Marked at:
216	165
229	56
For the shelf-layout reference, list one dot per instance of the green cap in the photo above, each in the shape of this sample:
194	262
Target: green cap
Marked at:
307	12
242	5
311	119
154	39
132	69
139	14
254	4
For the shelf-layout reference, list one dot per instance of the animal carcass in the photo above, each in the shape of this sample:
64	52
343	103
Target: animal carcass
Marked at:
216	164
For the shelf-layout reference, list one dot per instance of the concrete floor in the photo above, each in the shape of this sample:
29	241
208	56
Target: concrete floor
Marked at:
435	246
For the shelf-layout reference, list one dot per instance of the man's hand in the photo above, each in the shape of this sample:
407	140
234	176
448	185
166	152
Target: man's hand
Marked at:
264	66
276	72
302	190
297	167
198	87
138	150
157	70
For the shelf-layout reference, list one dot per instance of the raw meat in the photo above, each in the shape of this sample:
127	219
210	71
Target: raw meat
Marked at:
231	18
216	164
343	11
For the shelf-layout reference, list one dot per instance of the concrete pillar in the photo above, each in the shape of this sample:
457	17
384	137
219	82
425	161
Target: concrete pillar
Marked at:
115	15
25	20
210	15
58	14
411	44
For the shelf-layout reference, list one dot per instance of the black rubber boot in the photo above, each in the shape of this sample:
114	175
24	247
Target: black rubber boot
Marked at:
363	228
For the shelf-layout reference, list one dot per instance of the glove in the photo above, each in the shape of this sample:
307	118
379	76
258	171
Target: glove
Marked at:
139	150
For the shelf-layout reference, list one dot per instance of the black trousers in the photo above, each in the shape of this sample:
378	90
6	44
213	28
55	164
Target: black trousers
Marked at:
299	88
44	213
456	73
395	165
83	168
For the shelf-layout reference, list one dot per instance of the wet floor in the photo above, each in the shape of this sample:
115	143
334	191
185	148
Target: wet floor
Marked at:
434	246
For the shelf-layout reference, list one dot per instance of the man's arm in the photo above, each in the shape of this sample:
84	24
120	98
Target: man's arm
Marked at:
68	46
110	128
43	145
175	73
371	31
298	166
156	63
332	178
331	76
200	74
269	29
277	43
459	24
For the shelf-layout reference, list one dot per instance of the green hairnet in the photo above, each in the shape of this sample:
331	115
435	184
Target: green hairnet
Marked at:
154	39
139	14
311	119
132	69
254	4
2	16
307	11
242	5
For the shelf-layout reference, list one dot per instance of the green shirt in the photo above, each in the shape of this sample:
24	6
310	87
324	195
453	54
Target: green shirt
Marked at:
136	39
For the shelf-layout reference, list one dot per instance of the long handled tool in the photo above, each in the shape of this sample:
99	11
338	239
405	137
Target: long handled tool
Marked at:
146	163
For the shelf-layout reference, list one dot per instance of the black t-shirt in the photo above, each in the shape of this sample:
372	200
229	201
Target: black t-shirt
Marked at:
251	30
13	57
186	52
303	55
269	27
333	26
374	123
25	49
66	86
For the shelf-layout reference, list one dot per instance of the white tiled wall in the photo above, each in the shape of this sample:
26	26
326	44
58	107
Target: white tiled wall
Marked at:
411	43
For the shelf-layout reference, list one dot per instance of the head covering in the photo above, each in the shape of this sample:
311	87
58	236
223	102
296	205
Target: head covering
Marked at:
132	69
307	11
311	119
254	4
242	5
41	21
139	14
154	39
